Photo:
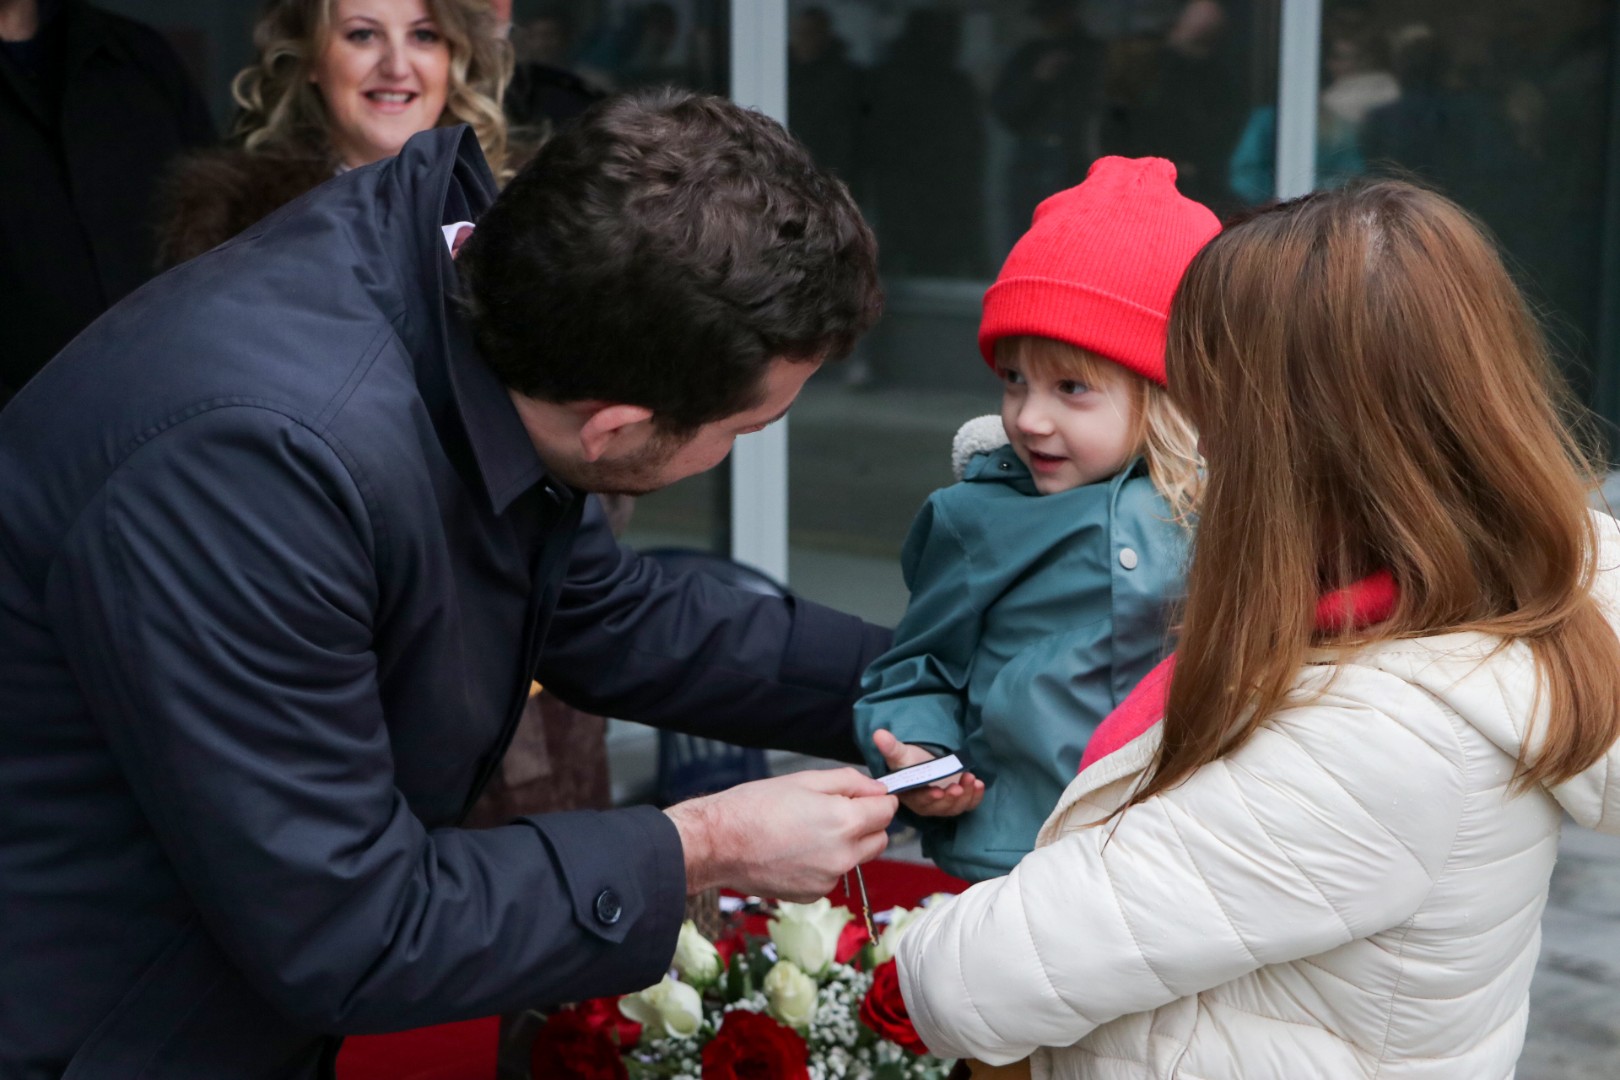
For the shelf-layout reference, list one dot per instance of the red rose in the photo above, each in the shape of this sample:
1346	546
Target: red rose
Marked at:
573	1044
730	945
604	1015
752	1046
884	1010
851	940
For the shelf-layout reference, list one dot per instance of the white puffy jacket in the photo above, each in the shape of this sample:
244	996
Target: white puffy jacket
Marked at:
1354	893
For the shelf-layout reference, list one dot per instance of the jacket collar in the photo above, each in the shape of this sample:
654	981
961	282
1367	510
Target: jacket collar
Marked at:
440	177
1002	466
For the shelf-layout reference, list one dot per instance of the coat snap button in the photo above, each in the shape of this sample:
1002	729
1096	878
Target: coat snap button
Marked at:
1127	558
608	907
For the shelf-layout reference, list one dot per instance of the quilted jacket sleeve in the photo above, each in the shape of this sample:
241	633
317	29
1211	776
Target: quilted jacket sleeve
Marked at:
1331	824
918	689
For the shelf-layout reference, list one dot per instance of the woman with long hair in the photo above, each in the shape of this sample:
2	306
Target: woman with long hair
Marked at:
1318	840
335	84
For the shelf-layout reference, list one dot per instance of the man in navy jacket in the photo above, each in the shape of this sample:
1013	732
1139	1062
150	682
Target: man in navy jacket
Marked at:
283	539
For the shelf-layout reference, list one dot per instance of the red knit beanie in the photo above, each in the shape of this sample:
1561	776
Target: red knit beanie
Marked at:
1099	265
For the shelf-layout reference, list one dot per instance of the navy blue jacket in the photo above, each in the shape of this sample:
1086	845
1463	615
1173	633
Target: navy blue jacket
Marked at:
277	563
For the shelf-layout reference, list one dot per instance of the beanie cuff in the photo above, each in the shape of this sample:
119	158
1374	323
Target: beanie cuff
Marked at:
1100	322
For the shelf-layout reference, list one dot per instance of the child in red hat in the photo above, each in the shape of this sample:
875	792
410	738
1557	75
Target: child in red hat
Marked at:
1042	584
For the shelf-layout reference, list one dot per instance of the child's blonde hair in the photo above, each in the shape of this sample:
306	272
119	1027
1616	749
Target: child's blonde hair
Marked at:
1160	432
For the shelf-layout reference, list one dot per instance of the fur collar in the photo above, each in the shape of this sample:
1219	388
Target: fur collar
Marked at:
980	435
212	195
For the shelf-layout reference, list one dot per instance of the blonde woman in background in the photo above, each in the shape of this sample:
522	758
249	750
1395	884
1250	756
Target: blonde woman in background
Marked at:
336	84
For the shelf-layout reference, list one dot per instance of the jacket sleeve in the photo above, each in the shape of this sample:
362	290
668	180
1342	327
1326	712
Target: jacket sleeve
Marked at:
691	653
218	600
1330	824
918	689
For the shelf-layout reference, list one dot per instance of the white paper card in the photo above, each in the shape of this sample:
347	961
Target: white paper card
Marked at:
918	776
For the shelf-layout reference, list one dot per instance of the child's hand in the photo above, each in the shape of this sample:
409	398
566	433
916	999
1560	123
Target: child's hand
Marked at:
944	798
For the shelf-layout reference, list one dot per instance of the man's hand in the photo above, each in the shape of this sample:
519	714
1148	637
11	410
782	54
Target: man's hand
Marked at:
945	798
791	837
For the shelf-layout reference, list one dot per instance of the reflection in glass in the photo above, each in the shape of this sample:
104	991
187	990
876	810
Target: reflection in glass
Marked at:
1506	107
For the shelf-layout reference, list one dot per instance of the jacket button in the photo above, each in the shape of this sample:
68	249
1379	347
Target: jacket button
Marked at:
608	907
1127	558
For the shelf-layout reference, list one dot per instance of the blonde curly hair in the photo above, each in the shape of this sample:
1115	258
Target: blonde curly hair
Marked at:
282	108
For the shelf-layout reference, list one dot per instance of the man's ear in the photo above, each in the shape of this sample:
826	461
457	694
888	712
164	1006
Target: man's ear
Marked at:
607	427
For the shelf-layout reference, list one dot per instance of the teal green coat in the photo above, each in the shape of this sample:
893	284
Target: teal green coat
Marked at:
1031	617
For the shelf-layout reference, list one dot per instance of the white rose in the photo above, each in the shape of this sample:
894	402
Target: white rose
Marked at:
671	1008
888	943
790	994
807	934
696	958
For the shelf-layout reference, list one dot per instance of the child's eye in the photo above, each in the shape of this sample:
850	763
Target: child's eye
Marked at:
1072	387
1011	377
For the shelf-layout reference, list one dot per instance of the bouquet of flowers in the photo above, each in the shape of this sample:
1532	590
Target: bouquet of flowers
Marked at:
818	1000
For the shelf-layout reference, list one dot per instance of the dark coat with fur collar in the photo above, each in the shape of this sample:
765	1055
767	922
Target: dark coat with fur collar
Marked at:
215	194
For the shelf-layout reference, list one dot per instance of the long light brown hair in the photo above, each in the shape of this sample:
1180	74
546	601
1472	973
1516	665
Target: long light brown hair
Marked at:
1159	431
1372	393
281	108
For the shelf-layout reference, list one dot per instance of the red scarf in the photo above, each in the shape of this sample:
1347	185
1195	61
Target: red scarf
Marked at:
1364	603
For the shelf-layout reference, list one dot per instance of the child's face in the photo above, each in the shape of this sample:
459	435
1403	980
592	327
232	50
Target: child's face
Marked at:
1068	431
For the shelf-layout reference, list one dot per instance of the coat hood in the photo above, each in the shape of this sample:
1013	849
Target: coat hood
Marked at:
1499	698
980	435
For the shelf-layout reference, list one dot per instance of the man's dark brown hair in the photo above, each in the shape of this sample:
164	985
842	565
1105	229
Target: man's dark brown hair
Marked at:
662	252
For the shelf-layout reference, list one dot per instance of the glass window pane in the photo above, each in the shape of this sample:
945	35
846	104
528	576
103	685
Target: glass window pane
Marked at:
1506	106
950	121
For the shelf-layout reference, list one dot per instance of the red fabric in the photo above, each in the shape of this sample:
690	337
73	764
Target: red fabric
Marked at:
1142	708
895	883
1099	265
463	1051
1365	603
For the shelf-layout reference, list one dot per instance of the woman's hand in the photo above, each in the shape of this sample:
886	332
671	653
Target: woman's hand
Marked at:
943	798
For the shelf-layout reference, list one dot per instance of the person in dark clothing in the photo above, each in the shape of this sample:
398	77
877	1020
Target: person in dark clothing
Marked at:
92	108
1048	95
544	92
824	93
1450	137
1194	110
925	153
286	536
542	97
